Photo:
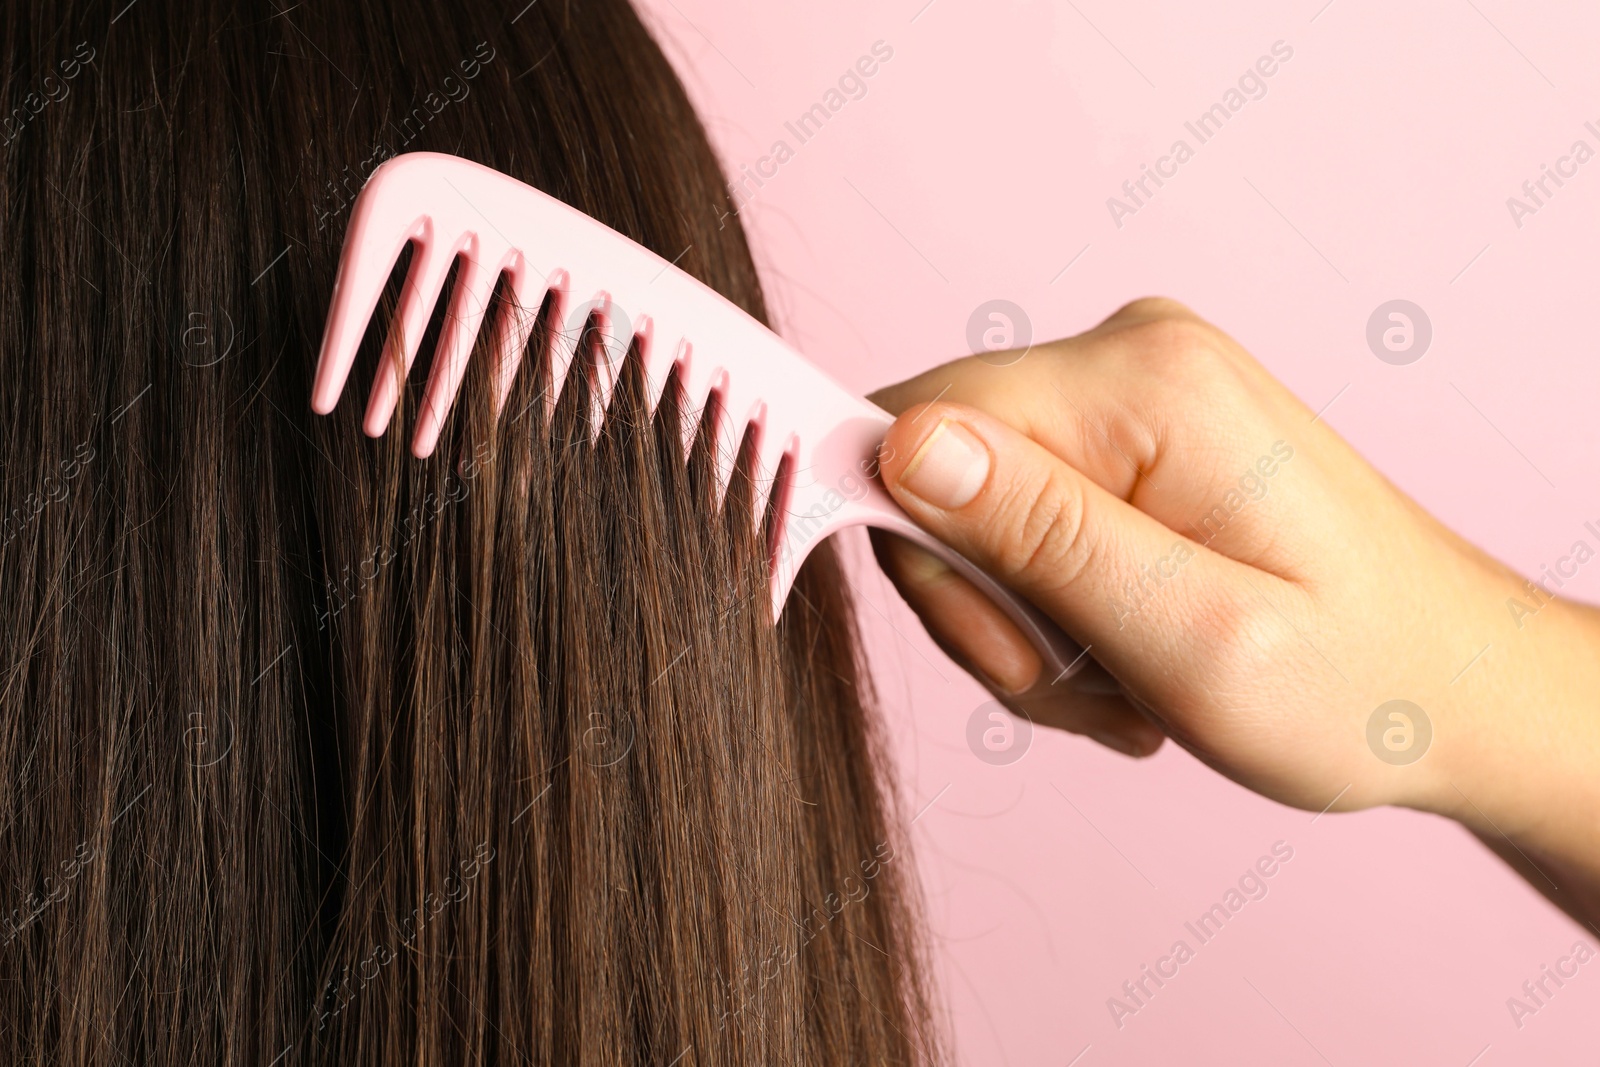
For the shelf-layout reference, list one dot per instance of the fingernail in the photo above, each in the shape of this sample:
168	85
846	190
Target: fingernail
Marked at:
1116	742
949	468
918	565
1011	679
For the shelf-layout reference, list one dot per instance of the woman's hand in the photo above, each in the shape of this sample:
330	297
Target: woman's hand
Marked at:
1259	592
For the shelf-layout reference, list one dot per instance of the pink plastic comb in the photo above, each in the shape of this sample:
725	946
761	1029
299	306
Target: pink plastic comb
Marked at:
453	208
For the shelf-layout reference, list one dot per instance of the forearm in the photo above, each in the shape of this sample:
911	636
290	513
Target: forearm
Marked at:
1528	781
1575	890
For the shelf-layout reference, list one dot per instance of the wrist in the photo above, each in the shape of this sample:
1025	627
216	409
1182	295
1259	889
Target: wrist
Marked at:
1519	750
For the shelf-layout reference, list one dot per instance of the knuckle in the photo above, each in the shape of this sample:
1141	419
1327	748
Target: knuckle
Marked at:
1183	361
1174	345
1241	640
1154	307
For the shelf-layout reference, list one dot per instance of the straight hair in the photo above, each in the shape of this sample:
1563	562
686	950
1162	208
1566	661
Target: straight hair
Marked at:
314	752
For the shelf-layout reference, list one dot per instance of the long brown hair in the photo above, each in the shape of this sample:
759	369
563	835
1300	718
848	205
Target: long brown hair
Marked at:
315	752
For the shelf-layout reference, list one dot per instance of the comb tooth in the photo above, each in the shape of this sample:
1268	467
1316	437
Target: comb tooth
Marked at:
468	305
663	366
726	433
526	292
650	362
616	335
770	445
644	335
421	291
356	292
750	413
781	551
683	362
755	428
775	443
744	411
563	341
784	552
698	382
657	352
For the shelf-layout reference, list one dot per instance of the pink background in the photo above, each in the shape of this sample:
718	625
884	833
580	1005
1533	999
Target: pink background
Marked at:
1377	166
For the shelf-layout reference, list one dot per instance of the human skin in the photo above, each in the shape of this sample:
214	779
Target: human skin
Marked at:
1120	480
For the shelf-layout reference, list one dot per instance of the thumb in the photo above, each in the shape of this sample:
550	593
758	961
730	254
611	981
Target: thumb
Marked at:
1114	578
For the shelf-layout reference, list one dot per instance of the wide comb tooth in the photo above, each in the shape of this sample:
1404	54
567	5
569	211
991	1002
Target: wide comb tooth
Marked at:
429	267
660	352
770	444
784	449
615	337
654	361
718	423
563	341
755	430
678	371
468	305
364	270
745	412
526	292
644	338
703	378
699	375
